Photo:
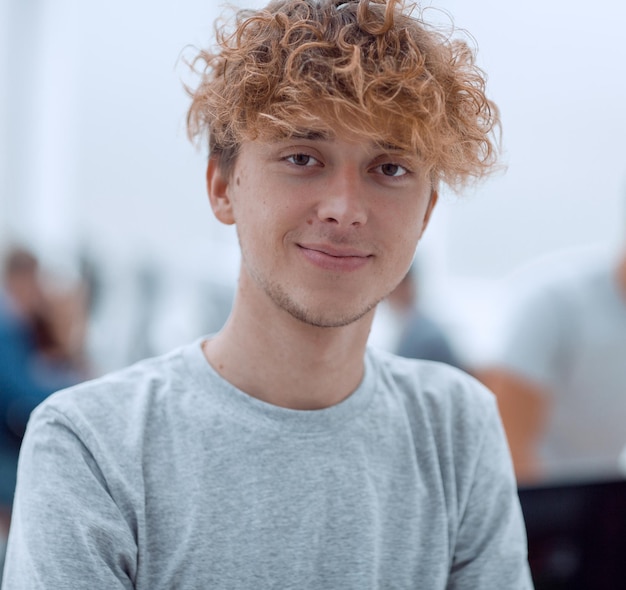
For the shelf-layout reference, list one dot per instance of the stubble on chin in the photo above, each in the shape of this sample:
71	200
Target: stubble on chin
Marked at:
318	319
308	314
326	318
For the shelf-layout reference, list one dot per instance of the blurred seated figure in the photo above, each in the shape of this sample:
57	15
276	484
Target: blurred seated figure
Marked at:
560	373
411	332
39	352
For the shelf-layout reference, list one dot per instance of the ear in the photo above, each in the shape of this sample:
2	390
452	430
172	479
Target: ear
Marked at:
434	197
218	189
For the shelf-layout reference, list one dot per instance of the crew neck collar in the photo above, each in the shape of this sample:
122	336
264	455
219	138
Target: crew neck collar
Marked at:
245	407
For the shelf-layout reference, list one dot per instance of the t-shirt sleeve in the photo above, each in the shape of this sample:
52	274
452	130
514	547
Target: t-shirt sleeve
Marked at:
491	546
67	531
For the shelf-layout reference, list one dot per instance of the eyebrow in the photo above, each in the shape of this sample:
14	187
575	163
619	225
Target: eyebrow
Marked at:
320	135
310	134
391	147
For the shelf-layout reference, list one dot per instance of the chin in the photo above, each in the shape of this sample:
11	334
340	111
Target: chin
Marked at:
328	316
322	308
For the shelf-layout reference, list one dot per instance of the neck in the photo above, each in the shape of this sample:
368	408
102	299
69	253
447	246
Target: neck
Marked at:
274	357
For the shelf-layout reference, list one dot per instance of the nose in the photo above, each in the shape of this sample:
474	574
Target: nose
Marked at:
343	202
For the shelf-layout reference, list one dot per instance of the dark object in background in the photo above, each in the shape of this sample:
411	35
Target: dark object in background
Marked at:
576	534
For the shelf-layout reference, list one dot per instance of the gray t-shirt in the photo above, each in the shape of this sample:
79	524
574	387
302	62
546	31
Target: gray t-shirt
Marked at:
164	476
568	335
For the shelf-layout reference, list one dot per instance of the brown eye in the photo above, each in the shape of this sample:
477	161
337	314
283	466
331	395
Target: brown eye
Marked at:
300	159
391	169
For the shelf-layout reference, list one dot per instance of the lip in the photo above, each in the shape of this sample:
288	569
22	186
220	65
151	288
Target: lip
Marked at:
335	259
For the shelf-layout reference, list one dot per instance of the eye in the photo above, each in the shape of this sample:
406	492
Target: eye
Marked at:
302	160
391	169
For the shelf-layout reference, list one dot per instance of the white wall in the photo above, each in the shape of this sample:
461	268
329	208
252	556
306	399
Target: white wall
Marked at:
556	70
4	96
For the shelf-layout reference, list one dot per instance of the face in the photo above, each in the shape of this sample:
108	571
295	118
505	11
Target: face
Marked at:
327	226
26	292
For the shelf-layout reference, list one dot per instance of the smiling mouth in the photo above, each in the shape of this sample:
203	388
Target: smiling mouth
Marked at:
335	252
335	259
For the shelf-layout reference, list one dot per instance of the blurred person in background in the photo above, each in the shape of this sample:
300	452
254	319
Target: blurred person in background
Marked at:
41	332
560	372
419	336
282	452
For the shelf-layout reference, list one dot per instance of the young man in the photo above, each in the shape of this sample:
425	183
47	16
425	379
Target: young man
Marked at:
280	453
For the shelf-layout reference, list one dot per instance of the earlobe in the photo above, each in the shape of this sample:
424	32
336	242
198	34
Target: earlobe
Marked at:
218	190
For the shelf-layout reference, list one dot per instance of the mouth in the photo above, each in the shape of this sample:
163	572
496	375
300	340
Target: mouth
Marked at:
334	258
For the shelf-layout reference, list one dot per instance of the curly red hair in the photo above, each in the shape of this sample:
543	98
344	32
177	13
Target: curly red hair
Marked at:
366	67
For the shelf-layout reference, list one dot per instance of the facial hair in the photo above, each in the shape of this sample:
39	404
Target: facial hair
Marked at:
281	298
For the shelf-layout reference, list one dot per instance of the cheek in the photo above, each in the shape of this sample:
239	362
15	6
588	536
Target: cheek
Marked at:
405	223
418	215
257	218
403	228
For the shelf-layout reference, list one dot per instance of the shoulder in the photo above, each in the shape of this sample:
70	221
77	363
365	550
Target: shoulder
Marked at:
118	401
441	392
452	419
428	378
